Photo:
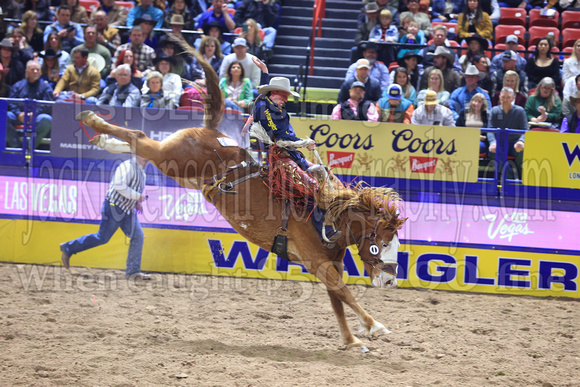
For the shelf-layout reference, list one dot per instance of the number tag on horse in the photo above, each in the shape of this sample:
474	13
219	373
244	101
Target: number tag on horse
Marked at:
226	141
374	249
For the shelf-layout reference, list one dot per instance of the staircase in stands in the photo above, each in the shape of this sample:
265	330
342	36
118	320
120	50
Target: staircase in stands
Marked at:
332	49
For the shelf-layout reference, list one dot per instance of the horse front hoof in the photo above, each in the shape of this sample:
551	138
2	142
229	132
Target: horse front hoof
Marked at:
378	329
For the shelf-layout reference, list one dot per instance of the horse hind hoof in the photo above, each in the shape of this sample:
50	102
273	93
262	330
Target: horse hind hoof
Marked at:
82	116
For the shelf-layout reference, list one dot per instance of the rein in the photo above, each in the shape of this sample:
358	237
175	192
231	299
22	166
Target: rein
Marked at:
373	248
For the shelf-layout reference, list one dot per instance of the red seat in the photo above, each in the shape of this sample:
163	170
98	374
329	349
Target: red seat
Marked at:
567	51
502	32
502	47
537	33
512	16
570	19
89	5
126	4
570	36
543	21
238	30
452	43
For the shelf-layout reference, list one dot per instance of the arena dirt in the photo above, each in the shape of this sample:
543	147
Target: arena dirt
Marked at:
92	327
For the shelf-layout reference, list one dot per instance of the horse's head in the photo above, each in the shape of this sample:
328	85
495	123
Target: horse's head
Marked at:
378	251
371	216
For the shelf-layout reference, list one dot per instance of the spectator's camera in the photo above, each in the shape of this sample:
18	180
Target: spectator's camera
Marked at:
70	29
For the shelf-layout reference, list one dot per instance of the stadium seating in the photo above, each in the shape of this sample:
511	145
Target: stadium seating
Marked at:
512	16
570	19
570	36
502	32
89	5
452	43
543	21
126	4
567	51
537	33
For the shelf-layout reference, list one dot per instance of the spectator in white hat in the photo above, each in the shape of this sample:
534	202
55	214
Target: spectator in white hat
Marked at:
372	87
240	55
461	97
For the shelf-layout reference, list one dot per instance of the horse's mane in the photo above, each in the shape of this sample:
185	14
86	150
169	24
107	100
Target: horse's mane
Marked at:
213	101
382	202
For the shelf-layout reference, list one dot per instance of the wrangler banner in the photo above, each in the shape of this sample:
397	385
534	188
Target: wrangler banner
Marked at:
552	160
395	150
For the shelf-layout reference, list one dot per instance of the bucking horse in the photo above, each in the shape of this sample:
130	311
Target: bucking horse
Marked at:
239	188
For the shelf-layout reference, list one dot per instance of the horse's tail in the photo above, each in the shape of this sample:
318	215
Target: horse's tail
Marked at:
213	100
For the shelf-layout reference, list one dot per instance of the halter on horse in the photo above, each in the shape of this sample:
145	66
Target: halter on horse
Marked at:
368	217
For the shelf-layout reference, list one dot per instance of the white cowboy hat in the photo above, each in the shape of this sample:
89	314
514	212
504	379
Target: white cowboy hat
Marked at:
278	83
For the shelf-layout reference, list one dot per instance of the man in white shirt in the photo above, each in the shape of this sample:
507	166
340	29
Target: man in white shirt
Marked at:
431	113
240	55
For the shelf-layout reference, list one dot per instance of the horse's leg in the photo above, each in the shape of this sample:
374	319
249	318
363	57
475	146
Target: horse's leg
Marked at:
140	144
339	293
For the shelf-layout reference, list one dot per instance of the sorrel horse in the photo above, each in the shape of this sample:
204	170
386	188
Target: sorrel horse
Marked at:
368	217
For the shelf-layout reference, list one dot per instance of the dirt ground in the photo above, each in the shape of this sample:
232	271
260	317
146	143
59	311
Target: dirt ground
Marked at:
92	327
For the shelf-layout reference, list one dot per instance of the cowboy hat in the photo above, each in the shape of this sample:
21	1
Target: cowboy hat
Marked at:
365	45
163	56
6	42
50	53
482	41
471	70
144	18
278	83
407	55
575	99
371	7
177	20
431	98
212	24
444	52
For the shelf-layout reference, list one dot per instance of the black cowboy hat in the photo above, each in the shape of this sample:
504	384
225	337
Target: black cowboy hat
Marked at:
368	46
211	24
50	53
407	55
163	56
482	41
144	18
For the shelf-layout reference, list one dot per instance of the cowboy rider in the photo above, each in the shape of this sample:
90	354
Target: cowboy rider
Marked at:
270	112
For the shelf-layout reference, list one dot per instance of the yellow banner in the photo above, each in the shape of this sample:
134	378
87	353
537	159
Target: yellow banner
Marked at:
229	255
552	160
395	150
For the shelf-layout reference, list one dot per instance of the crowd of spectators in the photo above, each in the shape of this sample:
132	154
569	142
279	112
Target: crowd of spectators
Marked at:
122	54
428	74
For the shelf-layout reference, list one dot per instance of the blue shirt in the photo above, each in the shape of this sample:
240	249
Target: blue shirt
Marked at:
56	28
208	16
39	90
137	12
461	97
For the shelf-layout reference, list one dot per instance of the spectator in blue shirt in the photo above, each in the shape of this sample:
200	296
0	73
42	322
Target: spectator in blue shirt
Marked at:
31	87
146	8
461	97
71	33
219	13
379	72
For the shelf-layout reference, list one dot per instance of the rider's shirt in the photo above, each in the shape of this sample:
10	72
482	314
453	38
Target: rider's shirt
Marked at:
276	122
